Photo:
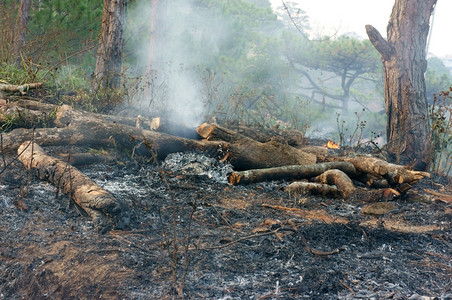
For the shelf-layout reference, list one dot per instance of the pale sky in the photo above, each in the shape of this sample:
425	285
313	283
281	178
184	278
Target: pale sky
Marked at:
342	16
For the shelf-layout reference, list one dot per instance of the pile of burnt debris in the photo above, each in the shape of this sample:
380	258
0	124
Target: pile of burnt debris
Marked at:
94	206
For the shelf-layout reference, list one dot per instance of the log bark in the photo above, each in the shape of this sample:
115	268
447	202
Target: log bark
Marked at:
107	73
290	136
338	178
288	172
84	129
350	192
249	154
88	129
300	188
19	88
100	205
394	174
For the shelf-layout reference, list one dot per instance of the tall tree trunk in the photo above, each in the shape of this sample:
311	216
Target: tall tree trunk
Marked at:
158	8
107	73
403	55
23	16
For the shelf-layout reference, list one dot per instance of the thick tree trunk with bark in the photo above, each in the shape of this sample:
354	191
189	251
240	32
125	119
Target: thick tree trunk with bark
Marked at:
263	135
404	60
107	73
21	30
247	153
99	204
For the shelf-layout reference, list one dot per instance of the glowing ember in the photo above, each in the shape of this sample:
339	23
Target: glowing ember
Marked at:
332	145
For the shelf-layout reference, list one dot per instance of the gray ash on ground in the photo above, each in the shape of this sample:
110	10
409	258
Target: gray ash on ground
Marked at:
49	249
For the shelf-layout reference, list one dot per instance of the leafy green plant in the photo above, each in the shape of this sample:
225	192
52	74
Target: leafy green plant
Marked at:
440	113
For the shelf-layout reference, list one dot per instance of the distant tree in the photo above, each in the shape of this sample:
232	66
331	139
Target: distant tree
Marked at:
156	29
437	78
403	54
21	29
341	61
107	73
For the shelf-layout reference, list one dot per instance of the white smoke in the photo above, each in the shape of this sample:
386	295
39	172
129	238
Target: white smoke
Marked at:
186	37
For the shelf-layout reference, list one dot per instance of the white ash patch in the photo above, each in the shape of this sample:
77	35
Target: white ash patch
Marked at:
196	164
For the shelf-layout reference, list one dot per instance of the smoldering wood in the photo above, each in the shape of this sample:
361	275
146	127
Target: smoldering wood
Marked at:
290	136
80	128
105	211
246	153
288	172
87	129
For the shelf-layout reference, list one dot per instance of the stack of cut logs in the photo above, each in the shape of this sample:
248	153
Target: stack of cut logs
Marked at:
268	159
255	154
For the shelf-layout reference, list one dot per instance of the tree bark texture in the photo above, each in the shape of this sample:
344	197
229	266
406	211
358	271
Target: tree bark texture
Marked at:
19	88
300	188
94	130
100	205
263	135
21	30
288	172
107	73
249	154
404	61
380	169
352	193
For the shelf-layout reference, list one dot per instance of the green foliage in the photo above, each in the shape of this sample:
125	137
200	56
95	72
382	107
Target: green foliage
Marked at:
437	78
65	26
440	112
26	73
344	54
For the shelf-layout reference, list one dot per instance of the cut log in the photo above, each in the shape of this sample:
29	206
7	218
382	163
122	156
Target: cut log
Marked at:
394	174
78	128
100	205
350	192
88	129
373	181
246	153
288	172
290	136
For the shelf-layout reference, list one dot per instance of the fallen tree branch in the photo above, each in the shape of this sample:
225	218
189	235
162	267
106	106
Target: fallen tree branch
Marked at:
394	174
19	88
100	205
288	172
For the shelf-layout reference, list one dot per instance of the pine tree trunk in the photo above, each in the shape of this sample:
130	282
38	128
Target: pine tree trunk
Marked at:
20	32
107	73
404	60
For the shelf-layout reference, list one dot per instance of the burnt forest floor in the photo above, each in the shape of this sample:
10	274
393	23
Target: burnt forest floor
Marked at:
236	247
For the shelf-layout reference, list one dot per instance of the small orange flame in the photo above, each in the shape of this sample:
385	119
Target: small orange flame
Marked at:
332	145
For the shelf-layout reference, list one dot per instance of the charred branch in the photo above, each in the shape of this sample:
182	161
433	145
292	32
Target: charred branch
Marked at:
100	205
